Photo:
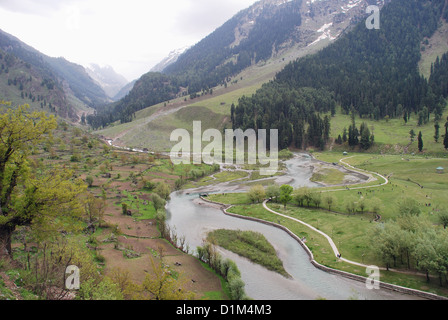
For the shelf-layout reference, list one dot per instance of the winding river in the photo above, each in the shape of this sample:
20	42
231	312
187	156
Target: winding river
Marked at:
194	219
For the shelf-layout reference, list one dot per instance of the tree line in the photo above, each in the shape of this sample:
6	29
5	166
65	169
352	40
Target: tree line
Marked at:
294	112
413	242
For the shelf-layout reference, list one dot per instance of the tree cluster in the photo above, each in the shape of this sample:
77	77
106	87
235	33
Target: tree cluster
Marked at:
295	113
412	241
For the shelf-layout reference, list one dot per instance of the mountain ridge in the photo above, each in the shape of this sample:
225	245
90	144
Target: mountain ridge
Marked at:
171	58
238	44
67	74
107	78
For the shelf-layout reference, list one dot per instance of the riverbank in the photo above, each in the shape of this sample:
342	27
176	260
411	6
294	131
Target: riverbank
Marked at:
382	187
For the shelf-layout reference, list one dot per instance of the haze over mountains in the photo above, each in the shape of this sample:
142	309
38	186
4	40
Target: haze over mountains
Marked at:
107	78
267	30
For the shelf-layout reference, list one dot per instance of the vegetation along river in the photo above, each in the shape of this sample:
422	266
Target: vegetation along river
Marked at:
194	219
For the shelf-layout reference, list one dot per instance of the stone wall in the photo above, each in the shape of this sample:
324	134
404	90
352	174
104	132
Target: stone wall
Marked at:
387	286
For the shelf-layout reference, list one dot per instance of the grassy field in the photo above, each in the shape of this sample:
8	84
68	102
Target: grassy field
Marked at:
392	136
409	176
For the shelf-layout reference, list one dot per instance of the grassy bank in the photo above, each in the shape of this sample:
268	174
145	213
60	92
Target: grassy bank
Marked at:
251	245
409	176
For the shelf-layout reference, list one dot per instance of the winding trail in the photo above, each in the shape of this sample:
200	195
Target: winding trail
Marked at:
331	242
386	180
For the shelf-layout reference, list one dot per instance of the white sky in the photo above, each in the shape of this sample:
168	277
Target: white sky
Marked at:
131	36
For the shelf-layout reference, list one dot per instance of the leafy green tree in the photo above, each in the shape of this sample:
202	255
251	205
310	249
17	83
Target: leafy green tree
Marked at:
285	194
163	190
385	243
160	284
409	206
329	201
39	199
425	253
158	202
89	181
351	205
303	195
273	192
257	194
94	210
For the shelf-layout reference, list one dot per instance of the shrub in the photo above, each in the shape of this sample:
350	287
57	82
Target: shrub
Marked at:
89	181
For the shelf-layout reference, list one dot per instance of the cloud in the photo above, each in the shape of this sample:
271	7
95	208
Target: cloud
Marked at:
33	7
198	18
115	32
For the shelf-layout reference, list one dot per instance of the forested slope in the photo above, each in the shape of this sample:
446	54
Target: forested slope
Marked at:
373	73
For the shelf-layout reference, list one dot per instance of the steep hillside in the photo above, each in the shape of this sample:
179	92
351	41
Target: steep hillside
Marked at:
21	82
124	91
433	47
59	70
172	57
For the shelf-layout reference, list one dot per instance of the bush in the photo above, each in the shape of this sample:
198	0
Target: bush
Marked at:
89	181
257	194
236	289
227	268
124	208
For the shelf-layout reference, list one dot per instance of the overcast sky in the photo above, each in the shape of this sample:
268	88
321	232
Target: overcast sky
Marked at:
131	36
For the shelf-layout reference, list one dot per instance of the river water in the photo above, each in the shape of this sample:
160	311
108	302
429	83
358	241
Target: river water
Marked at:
194	219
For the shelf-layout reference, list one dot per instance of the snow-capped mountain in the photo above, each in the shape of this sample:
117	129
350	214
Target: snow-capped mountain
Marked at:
107	78
170	59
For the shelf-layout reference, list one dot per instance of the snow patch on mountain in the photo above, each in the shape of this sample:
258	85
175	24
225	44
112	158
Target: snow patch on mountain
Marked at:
172	57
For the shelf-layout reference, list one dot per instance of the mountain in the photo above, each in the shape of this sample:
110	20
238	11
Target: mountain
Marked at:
72	77
107	78
172	57
22	83
371	74
267	30
124	91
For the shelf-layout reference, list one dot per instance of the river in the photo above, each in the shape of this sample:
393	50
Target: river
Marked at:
194	219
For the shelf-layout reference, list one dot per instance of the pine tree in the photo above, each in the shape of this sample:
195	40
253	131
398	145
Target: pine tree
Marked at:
445	140
344	135
420	142
412	135
365	137
436	133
